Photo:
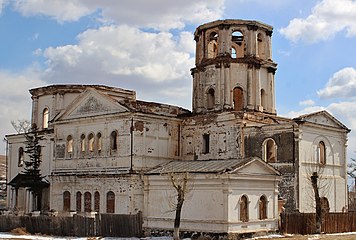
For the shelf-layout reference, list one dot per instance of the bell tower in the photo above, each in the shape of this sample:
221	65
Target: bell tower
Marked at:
233	70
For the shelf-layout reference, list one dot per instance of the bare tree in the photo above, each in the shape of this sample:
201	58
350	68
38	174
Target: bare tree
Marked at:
180	184
21	125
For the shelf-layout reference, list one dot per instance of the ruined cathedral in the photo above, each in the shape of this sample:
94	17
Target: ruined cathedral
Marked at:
104	151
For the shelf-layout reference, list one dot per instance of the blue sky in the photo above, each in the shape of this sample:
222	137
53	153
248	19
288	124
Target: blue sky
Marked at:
148	46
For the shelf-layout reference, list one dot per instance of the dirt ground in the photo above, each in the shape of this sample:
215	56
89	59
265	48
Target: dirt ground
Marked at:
344	236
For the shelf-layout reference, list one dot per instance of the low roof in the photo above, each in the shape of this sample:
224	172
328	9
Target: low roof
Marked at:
207	166
24	180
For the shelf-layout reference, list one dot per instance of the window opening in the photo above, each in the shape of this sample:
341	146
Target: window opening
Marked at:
82	143
206	143
237	42
87	202
69	144
99	142
110	202
211	98
66	201
244	209
321	153
113	140
45	117
91	142
260	45
263	208
78	202
213	45
263	99
270	151
233	53
21	157
238	99
97	201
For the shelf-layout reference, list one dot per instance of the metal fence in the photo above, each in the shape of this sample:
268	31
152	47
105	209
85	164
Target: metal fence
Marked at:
304	223
107	225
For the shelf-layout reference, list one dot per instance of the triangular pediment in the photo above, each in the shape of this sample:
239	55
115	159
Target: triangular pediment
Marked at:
256	167
321	118
92	103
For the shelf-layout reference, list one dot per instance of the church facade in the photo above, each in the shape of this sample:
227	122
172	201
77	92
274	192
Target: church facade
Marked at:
105	151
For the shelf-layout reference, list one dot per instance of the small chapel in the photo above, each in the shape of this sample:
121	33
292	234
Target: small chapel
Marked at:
104	151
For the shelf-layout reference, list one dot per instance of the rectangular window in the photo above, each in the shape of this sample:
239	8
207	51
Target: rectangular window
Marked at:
206	143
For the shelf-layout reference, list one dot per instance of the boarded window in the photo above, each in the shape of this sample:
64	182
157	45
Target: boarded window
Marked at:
21	157
87	202
45	117
110	202
91	142
78	206
262	206
244	209
238	98
66	201
113	140
211	99
321	153
97	201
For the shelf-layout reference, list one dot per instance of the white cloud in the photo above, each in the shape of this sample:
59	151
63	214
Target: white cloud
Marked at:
126	57
308	102
3	3
162	14
15	100
342	84
328	17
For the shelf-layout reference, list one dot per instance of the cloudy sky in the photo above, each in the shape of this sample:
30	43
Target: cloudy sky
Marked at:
148	46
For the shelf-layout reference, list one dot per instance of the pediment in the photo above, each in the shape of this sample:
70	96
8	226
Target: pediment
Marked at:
256	167
322	118
92	103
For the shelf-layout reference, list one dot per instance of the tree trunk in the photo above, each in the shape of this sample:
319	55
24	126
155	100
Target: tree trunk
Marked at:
318	212
180	201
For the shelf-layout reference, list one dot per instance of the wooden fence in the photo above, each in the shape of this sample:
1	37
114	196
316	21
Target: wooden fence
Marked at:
107	225
304	223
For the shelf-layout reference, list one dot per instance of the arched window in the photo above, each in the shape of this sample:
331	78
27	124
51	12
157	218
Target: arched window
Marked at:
78	206
244	209
210	98
237	42
45	117
324	205
66	201
99	142
69	145
233	52
238	99
87	202
110	202
113	140
262	207
270	151
213	45
21	157
263	99
82	143
97	201
261	46
321	153
91	142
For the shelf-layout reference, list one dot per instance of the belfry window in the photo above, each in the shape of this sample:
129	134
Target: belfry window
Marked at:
270	151
238	99
237	42
233	52
213	45
45	118
210	98
99	140
261	46
263	99
321	153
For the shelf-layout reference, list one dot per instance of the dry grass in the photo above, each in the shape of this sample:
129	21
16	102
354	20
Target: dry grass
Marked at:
351	236
19	231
